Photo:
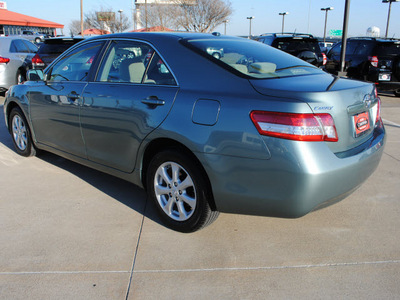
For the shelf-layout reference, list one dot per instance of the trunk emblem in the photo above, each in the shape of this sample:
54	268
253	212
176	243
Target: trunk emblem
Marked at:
367	101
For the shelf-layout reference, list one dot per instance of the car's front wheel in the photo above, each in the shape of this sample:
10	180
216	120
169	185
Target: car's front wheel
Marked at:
20	133
180	191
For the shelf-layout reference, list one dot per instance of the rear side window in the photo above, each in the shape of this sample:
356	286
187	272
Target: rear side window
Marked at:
18	46
250	58
32	48
134	62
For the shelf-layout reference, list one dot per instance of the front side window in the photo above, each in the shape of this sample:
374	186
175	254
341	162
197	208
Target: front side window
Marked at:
251	59
134	62
75	66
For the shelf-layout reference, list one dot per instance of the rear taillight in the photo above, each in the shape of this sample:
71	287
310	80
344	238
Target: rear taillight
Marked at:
4	60
324	59
300	127
37	61
373	60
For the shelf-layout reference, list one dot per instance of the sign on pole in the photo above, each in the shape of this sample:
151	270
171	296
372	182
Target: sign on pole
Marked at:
335	32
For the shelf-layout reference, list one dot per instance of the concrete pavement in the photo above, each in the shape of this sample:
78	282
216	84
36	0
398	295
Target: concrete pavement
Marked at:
69	232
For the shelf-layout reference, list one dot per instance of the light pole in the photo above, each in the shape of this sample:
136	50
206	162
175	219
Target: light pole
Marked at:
388	18
120	20
225	21
283	14
81	18
250	18
326	19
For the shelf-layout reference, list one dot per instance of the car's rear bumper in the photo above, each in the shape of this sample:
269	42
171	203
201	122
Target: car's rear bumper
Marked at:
298	178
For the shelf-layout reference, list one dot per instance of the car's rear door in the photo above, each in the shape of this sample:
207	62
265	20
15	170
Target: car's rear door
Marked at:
55	104
132	94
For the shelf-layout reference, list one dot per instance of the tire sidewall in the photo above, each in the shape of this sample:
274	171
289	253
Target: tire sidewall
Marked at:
29	150
202	207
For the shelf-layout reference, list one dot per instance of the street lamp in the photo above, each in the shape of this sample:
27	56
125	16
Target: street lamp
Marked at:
250	18
120	19
225	21
283	14
388	18
326	19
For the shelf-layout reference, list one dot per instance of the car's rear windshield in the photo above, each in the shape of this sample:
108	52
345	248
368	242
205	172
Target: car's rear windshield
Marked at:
53	48
383	49
250	58
295	45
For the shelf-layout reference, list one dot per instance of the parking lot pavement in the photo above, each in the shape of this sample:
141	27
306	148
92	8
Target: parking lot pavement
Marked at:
67	231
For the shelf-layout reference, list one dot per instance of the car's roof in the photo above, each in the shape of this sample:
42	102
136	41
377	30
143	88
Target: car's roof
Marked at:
380	40
175	35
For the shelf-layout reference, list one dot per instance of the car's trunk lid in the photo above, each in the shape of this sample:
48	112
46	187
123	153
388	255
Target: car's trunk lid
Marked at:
351	103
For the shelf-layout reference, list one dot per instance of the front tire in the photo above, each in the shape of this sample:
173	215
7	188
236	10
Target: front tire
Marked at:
20	133
179	191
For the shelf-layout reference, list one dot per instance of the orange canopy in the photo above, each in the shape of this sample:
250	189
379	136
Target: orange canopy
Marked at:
95	31
12	18
155	28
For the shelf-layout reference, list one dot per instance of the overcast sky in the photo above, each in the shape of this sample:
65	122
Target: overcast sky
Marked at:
304	15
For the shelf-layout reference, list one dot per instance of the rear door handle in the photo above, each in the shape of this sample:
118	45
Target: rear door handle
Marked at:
153	101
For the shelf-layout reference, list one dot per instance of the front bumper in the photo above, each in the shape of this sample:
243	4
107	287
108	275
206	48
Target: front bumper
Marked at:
298	178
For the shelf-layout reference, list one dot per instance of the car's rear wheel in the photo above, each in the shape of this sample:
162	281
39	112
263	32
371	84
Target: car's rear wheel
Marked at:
20	133
180	191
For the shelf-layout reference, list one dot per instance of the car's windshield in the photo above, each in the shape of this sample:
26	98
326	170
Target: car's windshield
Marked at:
250	58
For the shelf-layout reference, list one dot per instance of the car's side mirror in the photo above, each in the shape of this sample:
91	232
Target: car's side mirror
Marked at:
35	75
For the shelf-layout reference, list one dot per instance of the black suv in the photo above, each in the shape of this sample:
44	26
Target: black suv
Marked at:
369	59
302	45
51	49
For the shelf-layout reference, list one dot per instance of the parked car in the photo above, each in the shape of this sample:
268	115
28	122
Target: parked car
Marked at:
370	59
257	131
15	59
301	45
51	48
33	36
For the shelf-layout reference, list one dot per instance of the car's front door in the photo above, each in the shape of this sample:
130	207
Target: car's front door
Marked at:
132	95
55	104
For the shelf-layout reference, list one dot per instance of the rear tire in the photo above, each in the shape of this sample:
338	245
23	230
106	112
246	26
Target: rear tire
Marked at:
20	133
180	192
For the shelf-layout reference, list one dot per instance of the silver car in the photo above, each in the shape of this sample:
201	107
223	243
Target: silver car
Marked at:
15	60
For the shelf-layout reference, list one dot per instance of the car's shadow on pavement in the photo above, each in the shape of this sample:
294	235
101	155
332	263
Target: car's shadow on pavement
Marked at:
125	192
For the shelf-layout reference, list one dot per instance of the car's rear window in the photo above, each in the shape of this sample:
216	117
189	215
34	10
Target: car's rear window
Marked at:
295	45
383	49
250	58
53	48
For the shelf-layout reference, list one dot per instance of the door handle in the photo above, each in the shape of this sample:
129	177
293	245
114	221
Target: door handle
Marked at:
153	101
73	97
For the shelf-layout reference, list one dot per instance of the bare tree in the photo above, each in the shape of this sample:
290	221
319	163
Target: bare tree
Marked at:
109	20
203	15
75	27
189	15
158	13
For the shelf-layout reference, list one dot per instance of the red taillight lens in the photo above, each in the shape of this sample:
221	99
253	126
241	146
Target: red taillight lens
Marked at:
4	60
300	127
37	61
373	60
324	59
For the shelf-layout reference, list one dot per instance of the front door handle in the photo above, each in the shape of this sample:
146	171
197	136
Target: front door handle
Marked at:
73	95
153	101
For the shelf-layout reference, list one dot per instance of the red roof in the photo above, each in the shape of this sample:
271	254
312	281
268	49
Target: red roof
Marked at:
12	18
155	28
95	31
